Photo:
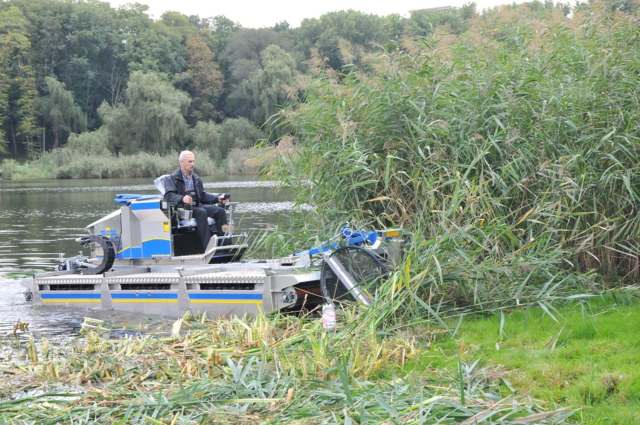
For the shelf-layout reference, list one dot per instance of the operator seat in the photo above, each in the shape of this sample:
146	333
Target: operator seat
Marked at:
161	185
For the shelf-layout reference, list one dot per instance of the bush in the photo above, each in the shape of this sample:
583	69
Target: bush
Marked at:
12	170
93	143
8	168
66	163
206	137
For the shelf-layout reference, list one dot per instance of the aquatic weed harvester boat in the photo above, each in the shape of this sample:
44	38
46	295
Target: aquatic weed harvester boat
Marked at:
143	258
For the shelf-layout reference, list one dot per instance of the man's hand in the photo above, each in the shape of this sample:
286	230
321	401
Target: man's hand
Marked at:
187	199
222	199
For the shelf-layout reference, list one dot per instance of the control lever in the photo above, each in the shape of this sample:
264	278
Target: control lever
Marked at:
225	196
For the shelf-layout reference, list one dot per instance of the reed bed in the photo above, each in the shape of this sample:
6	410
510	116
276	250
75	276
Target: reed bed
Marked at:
509	153
277	369
67	163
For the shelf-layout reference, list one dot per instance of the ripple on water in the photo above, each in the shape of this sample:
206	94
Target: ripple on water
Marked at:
12	232
35	241
14	307
59	321
269	207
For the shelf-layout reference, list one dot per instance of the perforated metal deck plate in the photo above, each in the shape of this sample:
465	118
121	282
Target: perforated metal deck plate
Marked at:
229	277
70	279
167	277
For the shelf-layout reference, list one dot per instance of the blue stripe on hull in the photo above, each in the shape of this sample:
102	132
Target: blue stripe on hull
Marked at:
225	298
141	297
151	248
136	206
71	297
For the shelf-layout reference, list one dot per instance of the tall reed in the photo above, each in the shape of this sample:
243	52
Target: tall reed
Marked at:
510	152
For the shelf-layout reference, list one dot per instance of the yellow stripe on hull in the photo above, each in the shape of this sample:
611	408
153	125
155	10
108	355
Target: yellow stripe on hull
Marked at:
156	239
224	302
75	300
146	240
146	301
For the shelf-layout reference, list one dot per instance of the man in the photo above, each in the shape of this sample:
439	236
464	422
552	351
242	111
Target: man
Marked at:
185	187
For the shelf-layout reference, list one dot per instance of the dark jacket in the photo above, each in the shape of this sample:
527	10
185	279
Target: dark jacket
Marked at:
175	189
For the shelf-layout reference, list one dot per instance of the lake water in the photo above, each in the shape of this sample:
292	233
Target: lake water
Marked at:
41	219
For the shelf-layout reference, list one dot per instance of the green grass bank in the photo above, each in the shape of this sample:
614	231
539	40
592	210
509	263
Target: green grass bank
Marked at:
581	355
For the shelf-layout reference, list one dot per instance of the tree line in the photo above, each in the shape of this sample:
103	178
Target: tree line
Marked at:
128	83
138	84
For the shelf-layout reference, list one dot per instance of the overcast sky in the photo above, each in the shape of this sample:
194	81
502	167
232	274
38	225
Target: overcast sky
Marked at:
266	13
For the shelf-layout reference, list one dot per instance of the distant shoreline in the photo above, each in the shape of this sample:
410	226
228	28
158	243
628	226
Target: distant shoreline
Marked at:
65	164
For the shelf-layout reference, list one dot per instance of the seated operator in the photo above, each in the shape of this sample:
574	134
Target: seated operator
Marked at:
185	187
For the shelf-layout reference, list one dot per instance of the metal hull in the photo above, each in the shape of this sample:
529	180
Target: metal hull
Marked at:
232	289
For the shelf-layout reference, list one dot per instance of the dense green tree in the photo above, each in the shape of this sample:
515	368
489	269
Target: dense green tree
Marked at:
206	137
357	28
423	22
60	112
180	22
222	29
393	27
80	44
219	139
202	80
281	26
242	56
215	32
249	43
94	143
49	24
152	118
238	133
272	86
93	49
91	61
157	49
17	82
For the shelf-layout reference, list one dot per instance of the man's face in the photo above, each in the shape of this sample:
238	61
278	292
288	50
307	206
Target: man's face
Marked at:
188	163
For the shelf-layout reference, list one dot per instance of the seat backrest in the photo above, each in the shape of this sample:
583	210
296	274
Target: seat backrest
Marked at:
161	183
